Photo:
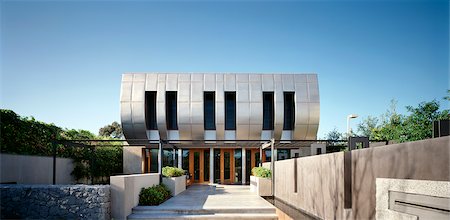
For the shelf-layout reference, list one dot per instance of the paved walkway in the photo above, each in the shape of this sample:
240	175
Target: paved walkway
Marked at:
210	202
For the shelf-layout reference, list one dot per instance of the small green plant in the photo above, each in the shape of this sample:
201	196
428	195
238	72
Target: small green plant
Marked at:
172	172
154	195
261	172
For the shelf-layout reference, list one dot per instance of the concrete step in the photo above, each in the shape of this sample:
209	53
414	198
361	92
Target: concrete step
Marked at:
220	216
153	210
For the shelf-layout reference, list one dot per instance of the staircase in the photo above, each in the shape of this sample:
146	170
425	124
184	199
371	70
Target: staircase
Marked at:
210	202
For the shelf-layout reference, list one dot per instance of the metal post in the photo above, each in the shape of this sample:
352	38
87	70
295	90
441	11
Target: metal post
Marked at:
174	156
160	154
211	165
180	158
260	156
244	173
54	162
272	165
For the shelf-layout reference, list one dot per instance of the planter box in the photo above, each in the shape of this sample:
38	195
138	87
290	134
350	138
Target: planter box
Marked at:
262	186
175	184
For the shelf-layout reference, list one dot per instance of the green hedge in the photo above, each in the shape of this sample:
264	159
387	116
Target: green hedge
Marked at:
154	195
27	136
261	172
172	171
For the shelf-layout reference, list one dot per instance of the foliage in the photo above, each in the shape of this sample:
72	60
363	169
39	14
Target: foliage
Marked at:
334	144
23	135
401	128
172	171
261	172
154	195
113	130
334	135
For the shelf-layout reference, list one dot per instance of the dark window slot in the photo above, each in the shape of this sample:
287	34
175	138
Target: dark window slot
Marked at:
268	111
289	111
209	109
171	111
150	110
230	110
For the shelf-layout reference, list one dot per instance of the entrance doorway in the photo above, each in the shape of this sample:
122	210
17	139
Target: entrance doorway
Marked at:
199	165
227	166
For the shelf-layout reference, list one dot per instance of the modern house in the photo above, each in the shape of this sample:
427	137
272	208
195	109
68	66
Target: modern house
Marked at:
213	124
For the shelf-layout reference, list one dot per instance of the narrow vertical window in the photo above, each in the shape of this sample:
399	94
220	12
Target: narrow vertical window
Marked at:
230	110
289	111
150	110
209	109
268	113
171	110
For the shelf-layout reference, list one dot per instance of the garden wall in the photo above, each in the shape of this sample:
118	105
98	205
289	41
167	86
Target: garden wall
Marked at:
55	201
26	169
316	184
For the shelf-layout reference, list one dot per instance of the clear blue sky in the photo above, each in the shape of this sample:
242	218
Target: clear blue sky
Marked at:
62	62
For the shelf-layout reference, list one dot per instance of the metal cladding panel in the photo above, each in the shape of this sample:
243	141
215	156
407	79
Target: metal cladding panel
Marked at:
184	77
151	82
137	112
242	92
288	82
220	92
300	132
197	77
171	82
230	135
210	135
173	135
254	78
313	92
220	113
219	77
312	78
209	82
267	83
128	131
161	77
138	92
256	113
255	92
278	96
196	113
265	134
242	132
242	78
314	113
125	113
139	131
137	77
196	91
255	132
197	131
184	113
127	77
301	92
125	91
185	131
300	78
220	130
279	120
161	118
184	92
153	135
312	132
161	93
301	113
230	82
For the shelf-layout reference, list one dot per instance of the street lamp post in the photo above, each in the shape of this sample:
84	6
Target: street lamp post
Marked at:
349	130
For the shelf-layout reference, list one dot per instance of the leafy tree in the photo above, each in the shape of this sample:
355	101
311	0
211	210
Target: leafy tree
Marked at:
113	130
334	144
334	135
366	127
447	97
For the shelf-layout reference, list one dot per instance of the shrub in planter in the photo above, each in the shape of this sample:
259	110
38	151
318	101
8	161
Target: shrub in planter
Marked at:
172	172
261	172
154	195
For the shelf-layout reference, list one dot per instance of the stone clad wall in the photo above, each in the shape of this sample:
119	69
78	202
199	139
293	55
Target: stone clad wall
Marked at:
55	201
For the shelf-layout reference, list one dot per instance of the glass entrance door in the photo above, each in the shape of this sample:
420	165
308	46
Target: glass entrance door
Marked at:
226	166
197	166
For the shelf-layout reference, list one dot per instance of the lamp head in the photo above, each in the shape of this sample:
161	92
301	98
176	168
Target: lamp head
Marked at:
352	116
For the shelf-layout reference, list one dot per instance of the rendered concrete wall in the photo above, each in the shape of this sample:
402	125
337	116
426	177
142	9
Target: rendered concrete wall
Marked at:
420	160
132	160
26	169
125	191
320	179
176	184
320	184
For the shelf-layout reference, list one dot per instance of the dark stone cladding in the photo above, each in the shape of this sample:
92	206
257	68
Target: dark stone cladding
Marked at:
55	201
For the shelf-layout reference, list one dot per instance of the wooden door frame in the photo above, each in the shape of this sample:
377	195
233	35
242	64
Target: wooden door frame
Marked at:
222	166
191	165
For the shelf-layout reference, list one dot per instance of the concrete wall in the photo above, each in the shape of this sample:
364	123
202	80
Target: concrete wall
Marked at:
55	201
320	184
132	160
420	160
320	179
35	169
125	191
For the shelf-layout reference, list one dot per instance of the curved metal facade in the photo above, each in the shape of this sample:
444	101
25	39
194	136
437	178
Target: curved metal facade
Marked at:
249	105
